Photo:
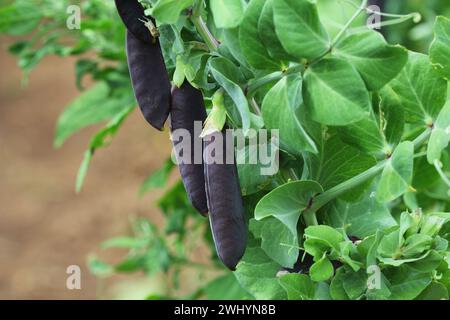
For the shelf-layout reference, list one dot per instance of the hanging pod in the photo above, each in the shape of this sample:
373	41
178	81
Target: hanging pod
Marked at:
226	209
188	110
150	79
132	14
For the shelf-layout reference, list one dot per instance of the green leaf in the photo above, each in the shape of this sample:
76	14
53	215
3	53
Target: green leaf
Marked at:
441	47
397	174
267	33
337	290
179	74
418	89
169	11
362	218
325	235
252	45
229	77
217	116
257	274
159	178
337	162
287	202
227	13
276	240
355	284
101	139
19	18
440	136
225	288
99	268
256	175
416	244
334	93
377	62
407	284
435	291
93	106
299	28
298	287
279	113
321	270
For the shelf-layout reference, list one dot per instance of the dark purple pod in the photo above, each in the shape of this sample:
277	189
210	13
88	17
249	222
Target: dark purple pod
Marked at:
132	14
223	191
187	115
150	80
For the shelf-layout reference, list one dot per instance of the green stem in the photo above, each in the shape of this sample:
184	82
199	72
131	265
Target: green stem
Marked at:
438	166
310	218
272	77
342	188
361	8
202	28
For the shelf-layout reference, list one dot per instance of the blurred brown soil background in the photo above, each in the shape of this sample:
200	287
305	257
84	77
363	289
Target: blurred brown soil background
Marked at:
44	225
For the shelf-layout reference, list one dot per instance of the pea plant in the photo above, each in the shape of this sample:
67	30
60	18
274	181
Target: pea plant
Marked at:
359	207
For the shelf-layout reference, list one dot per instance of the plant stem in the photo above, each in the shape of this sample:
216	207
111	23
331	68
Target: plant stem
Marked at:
255	106
202	28
340	189
361	8
310	218
438	166
331	194
272	77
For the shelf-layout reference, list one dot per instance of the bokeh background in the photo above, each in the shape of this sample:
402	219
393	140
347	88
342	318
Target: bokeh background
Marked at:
44	225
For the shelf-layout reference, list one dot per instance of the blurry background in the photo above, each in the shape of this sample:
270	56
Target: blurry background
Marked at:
44	225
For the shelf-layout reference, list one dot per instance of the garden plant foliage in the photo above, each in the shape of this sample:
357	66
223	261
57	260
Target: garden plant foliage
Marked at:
360	208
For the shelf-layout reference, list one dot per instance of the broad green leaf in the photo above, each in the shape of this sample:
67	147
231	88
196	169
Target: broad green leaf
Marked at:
298	287
159	178
251	43
276	240
169	11
407	284
337	290
377	62
229	77
362	218
389	245
440	136
335	93
428	264
418	89
225	288
416	245
326	235
231	41
256	174
355	284
397	174
299	28
179	74
287	202
257	274
435	291
92	106
321	270
227	13
267	33
337	162
440	48
278	113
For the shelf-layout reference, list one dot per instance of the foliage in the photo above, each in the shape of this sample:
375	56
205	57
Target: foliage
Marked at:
363	181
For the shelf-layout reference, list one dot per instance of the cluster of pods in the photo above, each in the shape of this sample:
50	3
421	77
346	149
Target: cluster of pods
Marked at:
212	187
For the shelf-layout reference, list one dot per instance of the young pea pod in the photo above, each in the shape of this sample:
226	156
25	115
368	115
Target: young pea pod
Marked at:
188	113
132	14
223	191
150	80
